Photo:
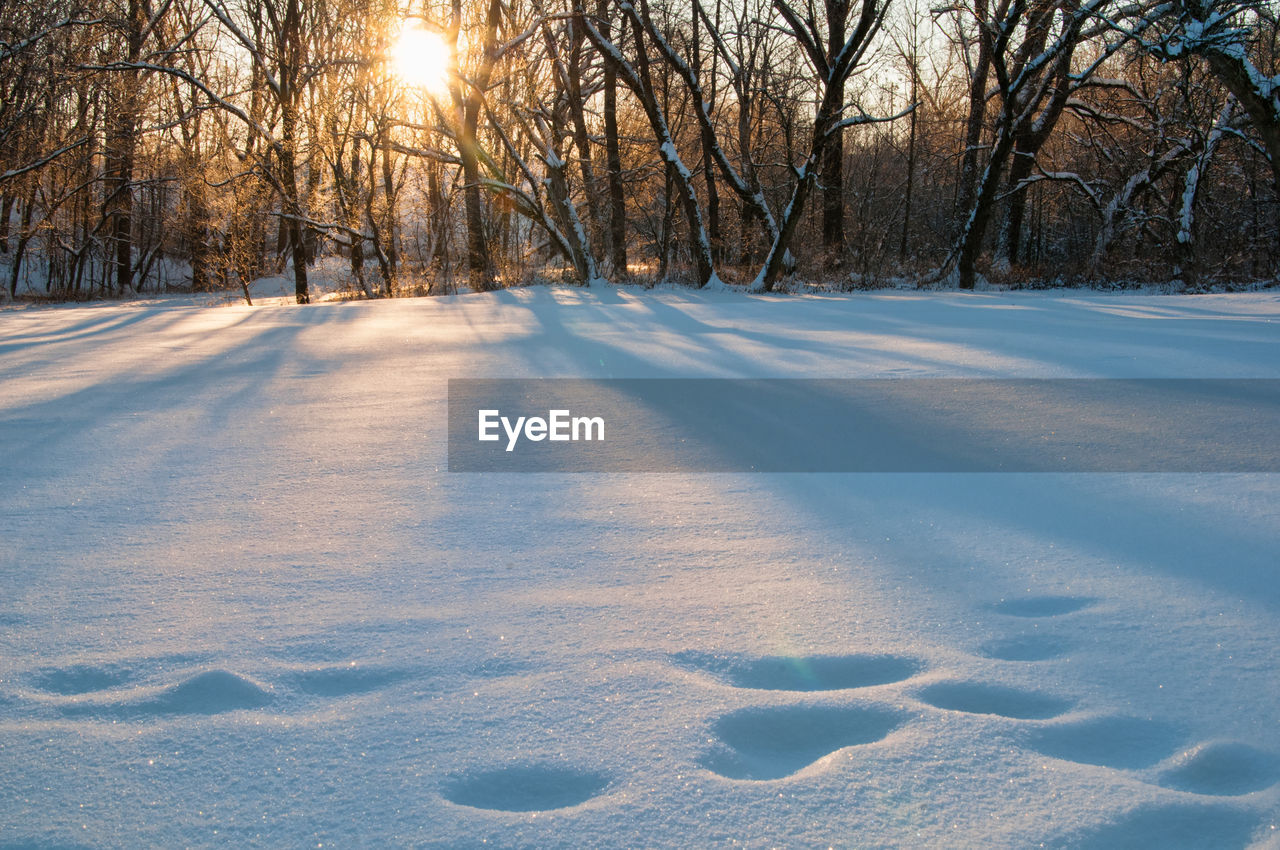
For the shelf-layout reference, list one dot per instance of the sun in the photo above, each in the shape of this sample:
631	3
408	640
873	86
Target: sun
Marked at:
421	58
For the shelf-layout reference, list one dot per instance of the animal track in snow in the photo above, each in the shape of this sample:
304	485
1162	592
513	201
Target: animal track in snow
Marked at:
1222	768
773	743
802	673
1118	742
526	788
1168	827
75	680
976	698
1042	606
210	692
1025	648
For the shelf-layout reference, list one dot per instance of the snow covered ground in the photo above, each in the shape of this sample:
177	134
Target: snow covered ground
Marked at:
243	603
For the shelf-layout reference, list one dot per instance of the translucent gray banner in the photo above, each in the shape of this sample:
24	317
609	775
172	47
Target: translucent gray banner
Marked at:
909	425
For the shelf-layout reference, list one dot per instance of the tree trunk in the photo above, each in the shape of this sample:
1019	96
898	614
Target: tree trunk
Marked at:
613	161
439	226
749	213
790	218
975	228
24	235
6	210
668	222
1246	83
372	220
828	114
1015	212
699	245
981	71
911	160
479	260
198	236
389	218
581	138
483	275
708	140
832	164
832	180
121	143
290	98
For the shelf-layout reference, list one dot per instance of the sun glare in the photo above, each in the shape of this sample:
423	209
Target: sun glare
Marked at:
421	58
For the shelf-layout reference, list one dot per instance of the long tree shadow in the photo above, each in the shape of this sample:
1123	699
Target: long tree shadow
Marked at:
100	321
1218	550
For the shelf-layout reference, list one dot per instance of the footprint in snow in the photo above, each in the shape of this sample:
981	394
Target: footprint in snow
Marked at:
773	743
1116	742
976	698
210	692
802	673
1042	606
78	679
1025	648
75	680
1168	827
1222	769
526	788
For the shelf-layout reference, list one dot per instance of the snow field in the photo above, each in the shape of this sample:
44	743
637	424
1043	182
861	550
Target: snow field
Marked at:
242	602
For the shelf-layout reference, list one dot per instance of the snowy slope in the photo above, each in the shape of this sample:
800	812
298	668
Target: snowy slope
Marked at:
243	604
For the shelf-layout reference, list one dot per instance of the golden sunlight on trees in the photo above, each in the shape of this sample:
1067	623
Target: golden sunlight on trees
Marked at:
202	144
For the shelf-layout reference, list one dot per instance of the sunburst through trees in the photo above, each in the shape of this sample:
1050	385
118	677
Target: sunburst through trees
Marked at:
203	143
421	58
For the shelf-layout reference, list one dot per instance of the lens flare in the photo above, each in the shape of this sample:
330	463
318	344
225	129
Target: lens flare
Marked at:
421	58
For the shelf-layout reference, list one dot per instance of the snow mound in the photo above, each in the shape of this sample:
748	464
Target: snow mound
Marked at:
210	692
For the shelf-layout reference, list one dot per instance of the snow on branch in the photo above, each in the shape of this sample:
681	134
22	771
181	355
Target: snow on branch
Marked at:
864	118
41	162
1070	177
8	50
255	52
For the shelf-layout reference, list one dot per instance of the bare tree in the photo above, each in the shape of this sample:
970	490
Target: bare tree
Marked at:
833	63
1031	51
639	78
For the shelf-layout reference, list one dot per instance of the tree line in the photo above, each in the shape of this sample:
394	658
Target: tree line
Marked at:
147	144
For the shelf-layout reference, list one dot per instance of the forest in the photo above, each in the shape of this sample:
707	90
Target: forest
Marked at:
155	145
